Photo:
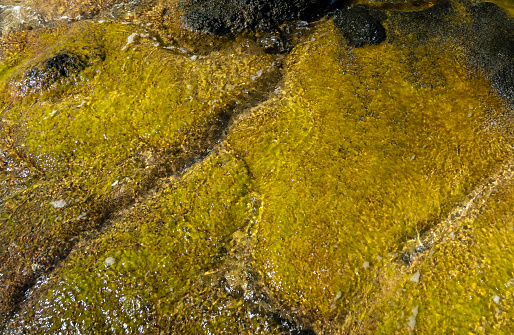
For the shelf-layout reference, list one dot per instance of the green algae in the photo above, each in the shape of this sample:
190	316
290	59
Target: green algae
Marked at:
357	155
465	283
130	79
157	253
100	138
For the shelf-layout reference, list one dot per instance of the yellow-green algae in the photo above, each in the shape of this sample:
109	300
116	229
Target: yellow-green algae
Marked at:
96	140
141	276
356	155
466	282
397	5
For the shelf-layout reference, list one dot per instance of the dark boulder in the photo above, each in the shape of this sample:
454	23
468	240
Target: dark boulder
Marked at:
359	26
235	16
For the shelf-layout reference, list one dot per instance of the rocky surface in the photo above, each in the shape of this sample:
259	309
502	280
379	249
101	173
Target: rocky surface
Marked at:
235	16
359	27
348	175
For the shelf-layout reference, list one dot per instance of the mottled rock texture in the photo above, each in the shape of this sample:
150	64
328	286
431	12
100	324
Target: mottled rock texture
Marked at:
235	16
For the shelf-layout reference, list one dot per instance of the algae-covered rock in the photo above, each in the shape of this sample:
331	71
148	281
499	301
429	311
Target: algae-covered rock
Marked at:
91	121
355	157
465	282
162	181
181	263
148	263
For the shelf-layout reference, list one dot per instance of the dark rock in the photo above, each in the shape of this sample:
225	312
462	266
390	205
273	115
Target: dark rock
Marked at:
503	82
359	27
63	65
425	25
493	46
42	76
493	38
235	16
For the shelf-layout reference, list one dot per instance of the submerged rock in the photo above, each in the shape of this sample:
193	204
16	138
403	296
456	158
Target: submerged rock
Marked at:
359	26
172	191
132	116
234	16
503	82
40	77
493	50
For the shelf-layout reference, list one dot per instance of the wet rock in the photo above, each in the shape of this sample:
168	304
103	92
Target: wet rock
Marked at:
63	65
324	86
493	42
359	26
90	119
40	77
234	16
503	82
428	24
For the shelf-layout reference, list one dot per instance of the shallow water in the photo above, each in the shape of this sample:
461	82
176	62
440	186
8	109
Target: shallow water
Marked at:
158	181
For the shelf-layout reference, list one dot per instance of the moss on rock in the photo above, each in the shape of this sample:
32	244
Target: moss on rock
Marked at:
357	154
101	136
295	223
145	269
465	284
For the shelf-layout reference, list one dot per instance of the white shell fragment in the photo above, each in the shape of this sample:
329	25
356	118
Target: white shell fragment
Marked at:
58	203
415	277
109	261
412	319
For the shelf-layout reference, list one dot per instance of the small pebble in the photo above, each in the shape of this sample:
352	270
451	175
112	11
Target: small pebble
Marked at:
412	319
58	203
415	277
109	261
